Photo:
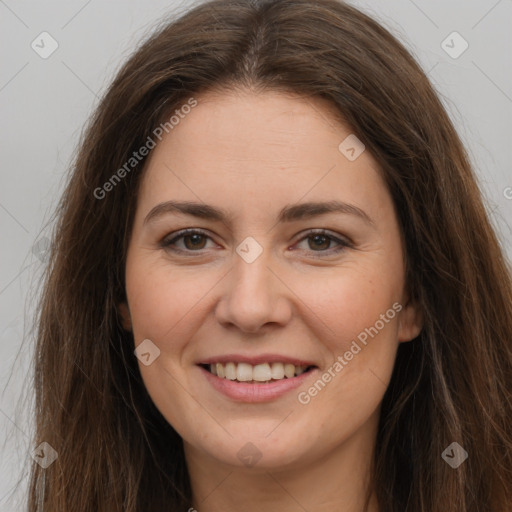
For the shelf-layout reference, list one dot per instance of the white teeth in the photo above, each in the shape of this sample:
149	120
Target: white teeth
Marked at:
261	372
289	370
277	371
265	372
244	372
231	371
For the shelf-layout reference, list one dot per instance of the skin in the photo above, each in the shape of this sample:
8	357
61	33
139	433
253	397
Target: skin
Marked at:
252	154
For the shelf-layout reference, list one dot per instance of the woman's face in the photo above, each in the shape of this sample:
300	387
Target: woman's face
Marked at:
270	278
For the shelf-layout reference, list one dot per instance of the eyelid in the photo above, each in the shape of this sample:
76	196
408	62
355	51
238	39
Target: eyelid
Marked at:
322	231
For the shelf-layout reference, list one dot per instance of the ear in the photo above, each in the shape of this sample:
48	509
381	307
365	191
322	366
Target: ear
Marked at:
410	321
126	319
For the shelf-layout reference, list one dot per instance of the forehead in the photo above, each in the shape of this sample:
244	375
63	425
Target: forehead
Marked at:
259	145
240	120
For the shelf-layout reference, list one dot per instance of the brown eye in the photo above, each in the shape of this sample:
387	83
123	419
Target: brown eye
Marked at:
322	242
195	241
186	241
319	242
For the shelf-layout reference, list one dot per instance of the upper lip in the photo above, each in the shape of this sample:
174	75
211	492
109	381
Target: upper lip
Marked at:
254	360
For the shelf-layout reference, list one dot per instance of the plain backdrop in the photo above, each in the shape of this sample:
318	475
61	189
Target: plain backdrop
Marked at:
45	102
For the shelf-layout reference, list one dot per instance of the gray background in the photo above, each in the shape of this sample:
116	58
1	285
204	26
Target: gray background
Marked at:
45	102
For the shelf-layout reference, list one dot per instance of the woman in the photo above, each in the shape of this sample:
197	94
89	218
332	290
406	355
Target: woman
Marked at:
274	283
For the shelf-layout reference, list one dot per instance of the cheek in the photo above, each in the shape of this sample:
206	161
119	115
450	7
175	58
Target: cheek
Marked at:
357	323
343	302
167	307
355	319
166	303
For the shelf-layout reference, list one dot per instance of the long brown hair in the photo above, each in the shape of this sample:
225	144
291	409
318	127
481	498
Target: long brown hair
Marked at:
453	383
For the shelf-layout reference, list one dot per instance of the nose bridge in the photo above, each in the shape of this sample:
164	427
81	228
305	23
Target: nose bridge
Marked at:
251	263
252	296
252	277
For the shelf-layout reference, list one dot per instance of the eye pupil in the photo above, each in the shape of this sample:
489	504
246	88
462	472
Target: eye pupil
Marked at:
196	243
320	241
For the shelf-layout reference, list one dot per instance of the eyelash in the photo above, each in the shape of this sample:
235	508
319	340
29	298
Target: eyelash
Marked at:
167	243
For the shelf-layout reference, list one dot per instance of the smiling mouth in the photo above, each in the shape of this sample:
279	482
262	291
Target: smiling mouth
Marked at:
257	374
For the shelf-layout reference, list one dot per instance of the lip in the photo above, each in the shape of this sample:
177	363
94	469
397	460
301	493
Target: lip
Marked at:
254	360
253	393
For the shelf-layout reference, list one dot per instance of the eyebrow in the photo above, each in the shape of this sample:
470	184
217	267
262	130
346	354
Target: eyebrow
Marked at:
289	213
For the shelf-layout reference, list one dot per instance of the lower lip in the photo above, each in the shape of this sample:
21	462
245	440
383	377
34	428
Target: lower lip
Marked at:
246	392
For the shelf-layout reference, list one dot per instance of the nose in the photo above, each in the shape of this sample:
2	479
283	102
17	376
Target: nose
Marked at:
253	297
